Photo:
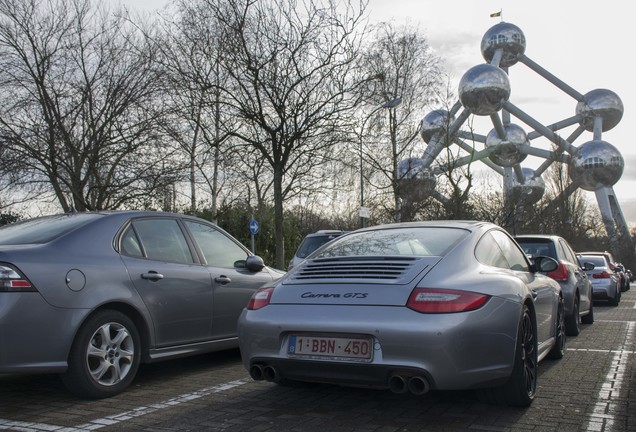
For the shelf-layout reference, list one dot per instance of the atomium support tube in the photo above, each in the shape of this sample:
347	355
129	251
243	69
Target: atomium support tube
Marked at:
545	154
487	162
496	57
498	125
469	135
560	125
598	128
551	78
540	128
519	173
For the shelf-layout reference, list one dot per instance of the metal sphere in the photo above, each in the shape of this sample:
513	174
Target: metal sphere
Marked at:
506	36
483	89
416	182
531	191
434	122
596	164
507	152
600	103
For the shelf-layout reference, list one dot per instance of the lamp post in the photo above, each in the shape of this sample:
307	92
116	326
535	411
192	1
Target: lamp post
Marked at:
364	212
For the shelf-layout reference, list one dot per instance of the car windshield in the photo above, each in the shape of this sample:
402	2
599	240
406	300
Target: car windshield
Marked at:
412	241
42	230
310	244
534	248
598	261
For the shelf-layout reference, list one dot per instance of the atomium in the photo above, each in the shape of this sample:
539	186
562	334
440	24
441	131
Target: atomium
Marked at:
596	164
531	190
484	89
507	151
435	122
507	37
600	103
415	180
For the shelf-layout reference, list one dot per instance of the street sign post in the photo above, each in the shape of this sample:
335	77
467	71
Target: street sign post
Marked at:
254	229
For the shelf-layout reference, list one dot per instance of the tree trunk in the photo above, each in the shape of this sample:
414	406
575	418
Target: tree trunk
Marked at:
278	217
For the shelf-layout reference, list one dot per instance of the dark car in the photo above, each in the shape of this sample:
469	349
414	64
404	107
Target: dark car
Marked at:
312	242
91	295
575	285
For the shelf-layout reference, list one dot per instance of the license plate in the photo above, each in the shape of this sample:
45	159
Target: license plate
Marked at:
334	348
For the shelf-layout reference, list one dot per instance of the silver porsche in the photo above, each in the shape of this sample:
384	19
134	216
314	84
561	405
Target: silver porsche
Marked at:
410	307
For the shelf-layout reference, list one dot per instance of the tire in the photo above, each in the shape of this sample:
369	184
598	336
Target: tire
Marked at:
572	322
104	357
521	387
617	297
589	318
558	350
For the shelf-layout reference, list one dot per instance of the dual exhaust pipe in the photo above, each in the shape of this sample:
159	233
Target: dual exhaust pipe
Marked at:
418	385
260	372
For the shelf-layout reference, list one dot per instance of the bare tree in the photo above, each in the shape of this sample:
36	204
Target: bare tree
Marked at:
190	53
411	76
78	89
293	82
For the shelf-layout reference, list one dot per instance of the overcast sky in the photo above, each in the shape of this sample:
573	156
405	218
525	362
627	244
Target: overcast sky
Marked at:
587	44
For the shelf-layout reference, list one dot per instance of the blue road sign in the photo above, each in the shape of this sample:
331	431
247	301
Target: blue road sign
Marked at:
254	227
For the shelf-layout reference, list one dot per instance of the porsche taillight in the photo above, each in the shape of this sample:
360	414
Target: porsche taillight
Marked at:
12	281
560	274
433	300
260	299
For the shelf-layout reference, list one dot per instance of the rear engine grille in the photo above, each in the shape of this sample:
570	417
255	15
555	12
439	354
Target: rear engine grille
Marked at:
355	268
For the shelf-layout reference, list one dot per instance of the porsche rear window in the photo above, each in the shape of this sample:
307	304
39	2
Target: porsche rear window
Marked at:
420	241
44	229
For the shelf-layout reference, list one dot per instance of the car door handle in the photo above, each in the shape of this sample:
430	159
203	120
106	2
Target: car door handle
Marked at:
152	275
222	280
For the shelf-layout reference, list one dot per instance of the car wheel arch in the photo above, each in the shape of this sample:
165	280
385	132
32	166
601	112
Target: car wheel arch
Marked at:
143	327
530	305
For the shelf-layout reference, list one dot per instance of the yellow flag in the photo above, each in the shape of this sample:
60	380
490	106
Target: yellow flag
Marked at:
495	14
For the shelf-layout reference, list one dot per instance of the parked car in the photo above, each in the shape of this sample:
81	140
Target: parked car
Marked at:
311	242
91	295
616	267
571	275
410	307
626	276
605	281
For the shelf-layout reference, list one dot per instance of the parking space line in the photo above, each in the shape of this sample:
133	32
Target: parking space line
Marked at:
121	417
602	417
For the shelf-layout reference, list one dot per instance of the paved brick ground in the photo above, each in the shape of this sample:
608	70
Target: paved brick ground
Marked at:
593	388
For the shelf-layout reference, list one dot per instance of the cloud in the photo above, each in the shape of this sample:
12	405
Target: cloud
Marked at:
629	174
629	211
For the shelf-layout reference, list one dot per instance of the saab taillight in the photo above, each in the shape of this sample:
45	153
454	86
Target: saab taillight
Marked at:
12	281
560	274
260	299
432	300
601	275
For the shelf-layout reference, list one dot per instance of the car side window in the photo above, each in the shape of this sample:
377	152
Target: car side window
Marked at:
163	240
218	249
488	252
568	252
513	254
129	244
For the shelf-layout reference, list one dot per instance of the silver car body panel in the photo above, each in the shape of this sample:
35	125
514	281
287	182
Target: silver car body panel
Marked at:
186	312
454	350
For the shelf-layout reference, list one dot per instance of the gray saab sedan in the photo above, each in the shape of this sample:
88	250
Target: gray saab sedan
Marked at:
91	295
